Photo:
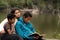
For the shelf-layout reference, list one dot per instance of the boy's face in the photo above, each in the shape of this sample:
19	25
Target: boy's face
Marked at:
17	13
12	20
26	20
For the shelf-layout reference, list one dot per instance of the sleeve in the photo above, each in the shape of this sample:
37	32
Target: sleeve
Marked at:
6	27
2	24
18	29
31	27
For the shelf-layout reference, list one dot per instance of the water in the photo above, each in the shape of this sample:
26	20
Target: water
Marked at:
46	24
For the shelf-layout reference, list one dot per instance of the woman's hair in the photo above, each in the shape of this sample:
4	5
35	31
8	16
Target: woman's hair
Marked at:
13	10
27	14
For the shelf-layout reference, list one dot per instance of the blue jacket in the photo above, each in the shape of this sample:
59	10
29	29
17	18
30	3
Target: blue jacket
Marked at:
24	30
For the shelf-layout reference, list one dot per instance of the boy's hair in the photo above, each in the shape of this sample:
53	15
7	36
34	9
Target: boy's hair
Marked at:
10	16
27	14
13	10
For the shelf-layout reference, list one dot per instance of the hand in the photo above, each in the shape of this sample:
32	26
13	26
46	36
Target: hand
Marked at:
38	33
12	26
1	32
9	31
36	37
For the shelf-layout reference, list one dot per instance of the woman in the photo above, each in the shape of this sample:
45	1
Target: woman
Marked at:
16	12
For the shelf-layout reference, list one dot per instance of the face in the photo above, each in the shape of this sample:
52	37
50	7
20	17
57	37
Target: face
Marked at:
17	13
26	20
12	20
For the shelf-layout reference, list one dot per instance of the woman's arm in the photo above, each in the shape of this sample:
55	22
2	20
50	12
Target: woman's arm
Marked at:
2	24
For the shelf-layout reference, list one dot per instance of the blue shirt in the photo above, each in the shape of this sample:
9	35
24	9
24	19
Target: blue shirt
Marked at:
24	29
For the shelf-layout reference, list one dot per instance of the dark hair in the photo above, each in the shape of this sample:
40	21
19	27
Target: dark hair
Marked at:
27	14
10	16
13	10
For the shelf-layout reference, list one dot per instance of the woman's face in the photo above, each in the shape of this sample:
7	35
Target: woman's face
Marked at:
17	13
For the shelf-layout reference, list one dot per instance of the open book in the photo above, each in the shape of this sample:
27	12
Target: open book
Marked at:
34	35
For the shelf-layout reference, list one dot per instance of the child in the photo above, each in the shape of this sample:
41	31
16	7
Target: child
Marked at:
25	29
9	29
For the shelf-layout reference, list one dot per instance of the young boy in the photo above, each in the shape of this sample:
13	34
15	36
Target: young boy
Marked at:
25	29
9	29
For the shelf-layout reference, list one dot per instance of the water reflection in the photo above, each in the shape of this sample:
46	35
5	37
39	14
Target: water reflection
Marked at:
46	24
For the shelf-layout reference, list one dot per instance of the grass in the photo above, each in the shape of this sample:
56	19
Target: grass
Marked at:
2	16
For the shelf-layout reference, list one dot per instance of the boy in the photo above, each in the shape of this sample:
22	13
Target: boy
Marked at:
25	29
9	29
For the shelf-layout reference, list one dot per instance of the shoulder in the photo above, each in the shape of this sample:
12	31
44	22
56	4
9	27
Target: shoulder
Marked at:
3	22
6	24
19	19
18	23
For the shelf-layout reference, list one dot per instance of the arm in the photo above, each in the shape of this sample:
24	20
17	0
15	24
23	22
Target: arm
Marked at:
18	29
7	29
31	27
2	24
12	27
33	30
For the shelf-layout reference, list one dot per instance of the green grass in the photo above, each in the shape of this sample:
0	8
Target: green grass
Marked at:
2	16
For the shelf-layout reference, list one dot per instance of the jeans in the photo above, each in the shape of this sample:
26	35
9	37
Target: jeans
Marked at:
11	37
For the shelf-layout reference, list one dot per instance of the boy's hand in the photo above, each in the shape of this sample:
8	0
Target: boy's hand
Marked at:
1	32
12	26
36	37
9	31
